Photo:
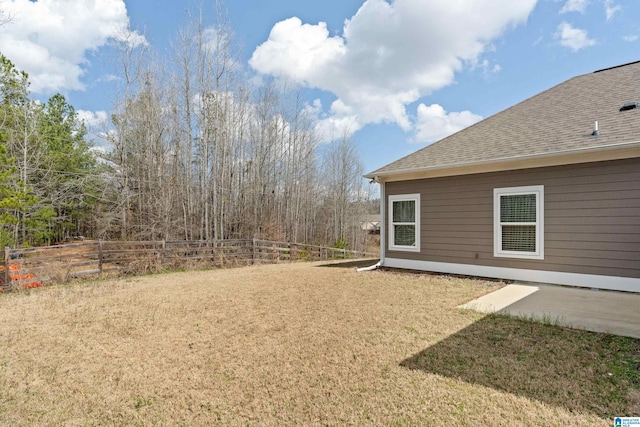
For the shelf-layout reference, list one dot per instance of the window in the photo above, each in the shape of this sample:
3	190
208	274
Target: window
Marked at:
518	222
404	222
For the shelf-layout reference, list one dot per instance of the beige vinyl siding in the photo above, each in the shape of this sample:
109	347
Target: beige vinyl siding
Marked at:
591	226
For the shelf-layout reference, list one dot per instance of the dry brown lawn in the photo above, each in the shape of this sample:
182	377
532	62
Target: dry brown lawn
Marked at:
298	344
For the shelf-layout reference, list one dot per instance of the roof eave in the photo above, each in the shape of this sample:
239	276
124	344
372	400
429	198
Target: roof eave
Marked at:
558	158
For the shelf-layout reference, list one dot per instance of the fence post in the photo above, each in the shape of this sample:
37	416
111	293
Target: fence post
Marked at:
162	253
7	274
253	253
100	257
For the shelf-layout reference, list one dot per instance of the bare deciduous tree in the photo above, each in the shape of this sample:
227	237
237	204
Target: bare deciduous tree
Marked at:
209	154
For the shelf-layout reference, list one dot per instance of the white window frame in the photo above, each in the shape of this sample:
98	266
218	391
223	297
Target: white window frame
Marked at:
403	198
538	190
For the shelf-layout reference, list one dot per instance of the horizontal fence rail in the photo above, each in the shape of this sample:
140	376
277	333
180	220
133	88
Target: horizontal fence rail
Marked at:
34	267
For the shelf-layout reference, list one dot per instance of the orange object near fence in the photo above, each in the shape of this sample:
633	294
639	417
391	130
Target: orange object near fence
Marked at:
20	277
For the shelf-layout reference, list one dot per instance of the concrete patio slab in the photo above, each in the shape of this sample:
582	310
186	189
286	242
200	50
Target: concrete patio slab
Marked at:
612	312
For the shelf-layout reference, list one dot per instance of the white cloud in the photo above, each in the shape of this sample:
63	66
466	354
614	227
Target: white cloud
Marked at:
611	9
332	127
108	78
486	67
91	118
49	38
341	121
435	123
123	34
389	54
631	38
574	6
97	124
573	38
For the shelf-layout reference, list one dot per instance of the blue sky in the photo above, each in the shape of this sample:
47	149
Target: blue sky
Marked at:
398	74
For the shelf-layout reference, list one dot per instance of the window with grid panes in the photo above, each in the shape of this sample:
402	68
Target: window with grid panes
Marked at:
404	222
518	222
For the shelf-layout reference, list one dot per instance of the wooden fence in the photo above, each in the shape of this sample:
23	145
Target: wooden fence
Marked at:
33	267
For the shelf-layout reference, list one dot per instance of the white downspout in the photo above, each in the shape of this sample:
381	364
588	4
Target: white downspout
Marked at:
371	267
382	230
383	221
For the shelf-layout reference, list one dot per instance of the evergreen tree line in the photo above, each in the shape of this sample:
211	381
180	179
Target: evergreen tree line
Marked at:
48	176
199	150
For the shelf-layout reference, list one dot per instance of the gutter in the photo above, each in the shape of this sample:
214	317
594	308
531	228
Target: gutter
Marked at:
453	166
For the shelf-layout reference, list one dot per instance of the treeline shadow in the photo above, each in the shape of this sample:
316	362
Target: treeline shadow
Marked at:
577	370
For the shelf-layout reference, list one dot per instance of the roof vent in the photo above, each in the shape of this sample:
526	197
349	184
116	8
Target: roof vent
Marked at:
595	132
629	106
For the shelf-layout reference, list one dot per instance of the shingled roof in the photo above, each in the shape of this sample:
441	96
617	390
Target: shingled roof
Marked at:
558	121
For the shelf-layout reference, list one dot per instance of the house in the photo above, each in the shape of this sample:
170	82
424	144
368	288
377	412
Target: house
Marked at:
545	191
370	223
